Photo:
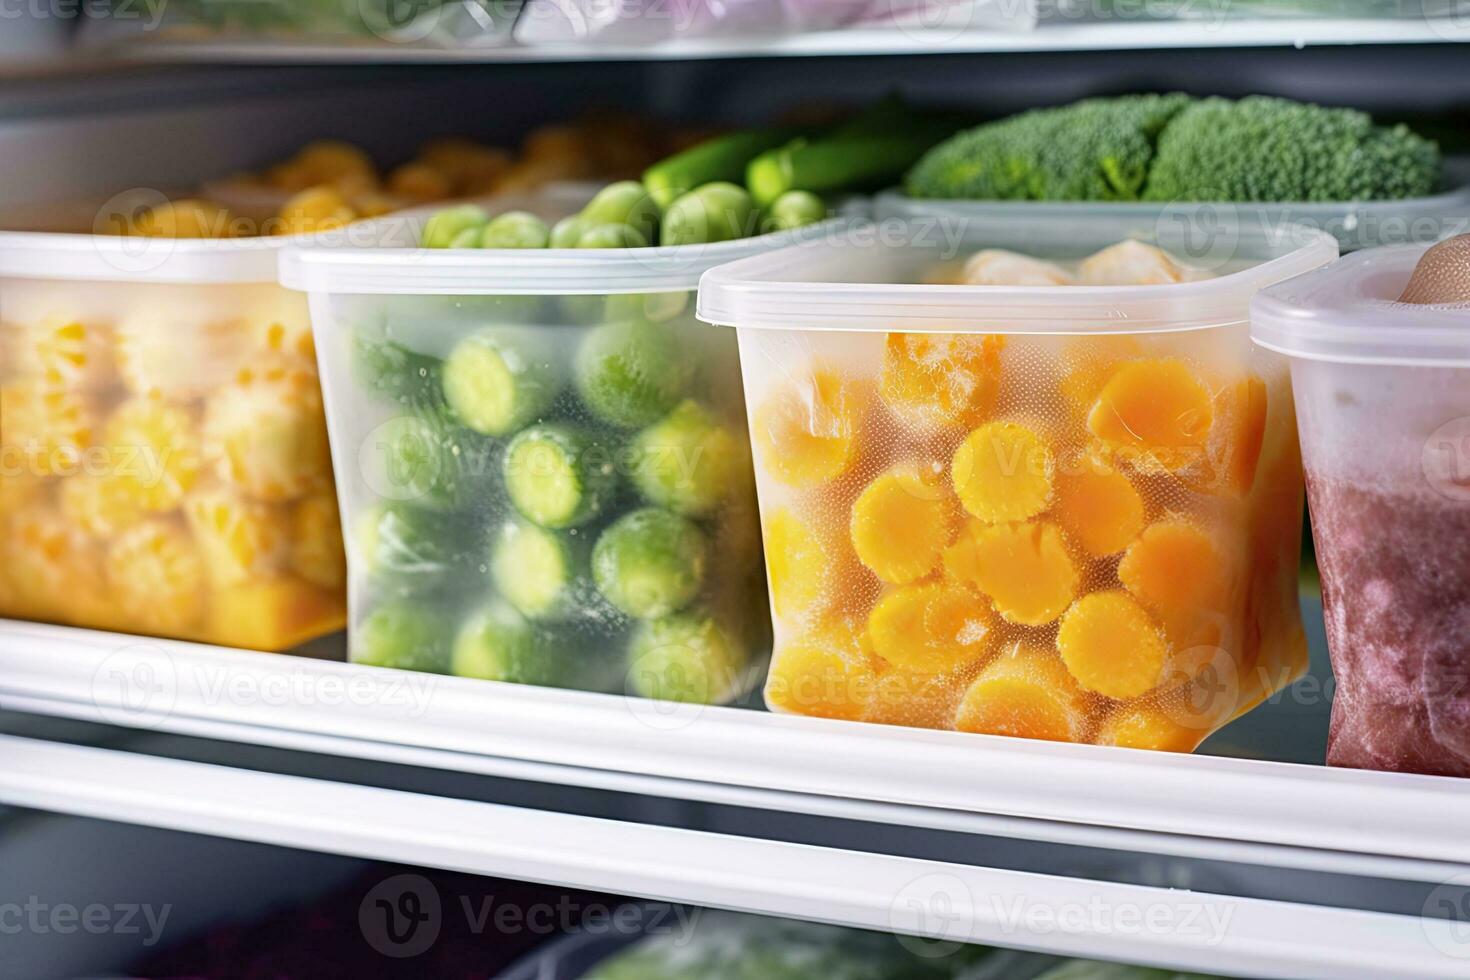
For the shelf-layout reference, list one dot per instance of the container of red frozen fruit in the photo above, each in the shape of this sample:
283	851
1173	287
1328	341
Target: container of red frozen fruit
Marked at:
1379	345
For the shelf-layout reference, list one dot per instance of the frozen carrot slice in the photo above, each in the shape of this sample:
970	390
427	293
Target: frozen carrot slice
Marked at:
1025	569
931	627
1148	726
828	673
932	381
1089	362
802	564
239	539
901	522
101	504
153	445
1175	567
1234	448
1025	693
1111	645
155	571
1099	508
917	698
272	614
807	433
1156	411
317	553
1003	471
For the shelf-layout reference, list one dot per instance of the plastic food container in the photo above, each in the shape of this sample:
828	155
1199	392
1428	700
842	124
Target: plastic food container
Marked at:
544	463
1061	512
163	457
1383	403
1208	229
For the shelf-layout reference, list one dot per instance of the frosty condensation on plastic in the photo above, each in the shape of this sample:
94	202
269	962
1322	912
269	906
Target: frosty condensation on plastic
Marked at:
544	463
1061	512
163	450
1383	401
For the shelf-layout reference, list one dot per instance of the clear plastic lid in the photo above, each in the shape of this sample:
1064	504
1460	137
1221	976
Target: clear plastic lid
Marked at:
1349	311
872	277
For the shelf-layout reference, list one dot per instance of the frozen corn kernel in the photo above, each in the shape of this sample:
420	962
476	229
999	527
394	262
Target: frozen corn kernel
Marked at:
1174	567
901	523
828	673
933	381
1025	693
73	354
998	267
238	539
315	209
807	433
45	431
1003	471
317	552
420	182
102	504
1234	449
931	627
916	698
800	562
1148	726
282	327
1133	263
1156	412
1111	645
153	445
273	614
1025	569
266	434
1098	508
185	219
155	572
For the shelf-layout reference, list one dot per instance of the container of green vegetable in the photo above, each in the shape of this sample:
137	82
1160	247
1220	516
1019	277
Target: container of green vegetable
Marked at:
544	465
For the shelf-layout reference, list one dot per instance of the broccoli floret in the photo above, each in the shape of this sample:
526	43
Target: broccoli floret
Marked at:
1093	150
1268	149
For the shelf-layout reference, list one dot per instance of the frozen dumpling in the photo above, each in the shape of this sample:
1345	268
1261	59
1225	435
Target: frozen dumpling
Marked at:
1132	263
1442	275
997	267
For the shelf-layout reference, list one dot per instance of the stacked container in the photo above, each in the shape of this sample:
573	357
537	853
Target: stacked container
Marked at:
163	454
1062	512
543	463
1383	401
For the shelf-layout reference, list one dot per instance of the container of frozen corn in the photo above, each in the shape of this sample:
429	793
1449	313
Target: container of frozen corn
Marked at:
163	452
543	462
1023	478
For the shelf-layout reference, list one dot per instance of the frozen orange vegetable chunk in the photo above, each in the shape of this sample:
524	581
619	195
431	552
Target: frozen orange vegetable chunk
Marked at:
238	539
266	434
43	431
1111	645
931	627
1148	726
155	572
828	673
1004	471
917	698
153	445
101	504
1025	569
1234	449
272	614
1175	567
901	522
802	564
932	381
47	560
807	432
317	552
73	354
1098	507
1025	693
1088	362
1156	410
